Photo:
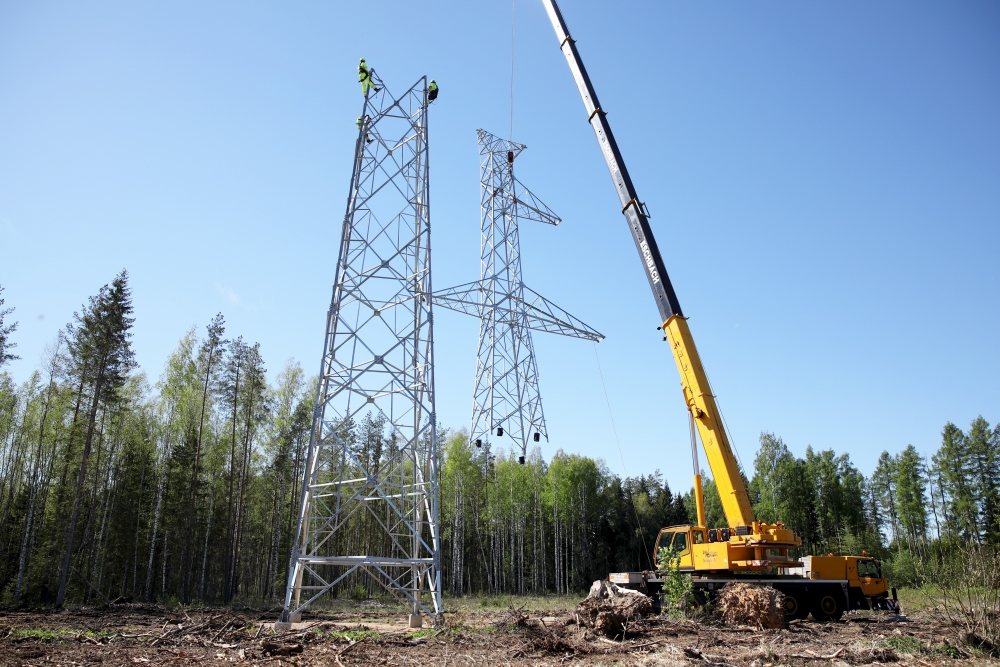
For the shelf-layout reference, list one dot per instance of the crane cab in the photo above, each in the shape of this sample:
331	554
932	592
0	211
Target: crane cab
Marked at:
681	540
757	547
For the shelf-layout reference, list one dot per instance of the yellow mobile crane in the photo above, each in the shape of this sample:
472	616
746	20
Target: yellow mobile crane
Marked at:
824	585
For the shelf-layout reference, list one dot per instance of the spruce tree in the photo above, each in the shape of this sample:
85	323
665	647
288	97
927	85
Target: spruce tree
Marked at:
953	462
101	356
208	361
5	331
984	455
233	381
883	483
911	499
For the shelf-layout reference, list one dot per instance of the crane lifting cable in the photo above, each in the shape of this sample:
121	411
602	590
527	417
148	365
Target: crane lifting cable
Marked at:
614	429
510	137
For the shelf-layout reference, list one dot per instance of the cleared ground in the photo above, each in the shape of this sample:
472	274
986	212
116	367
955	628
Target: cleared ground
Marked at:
538	631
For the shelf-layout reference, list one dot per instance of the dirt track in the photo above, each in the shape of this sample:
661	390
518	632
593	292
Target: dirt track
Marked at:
137	636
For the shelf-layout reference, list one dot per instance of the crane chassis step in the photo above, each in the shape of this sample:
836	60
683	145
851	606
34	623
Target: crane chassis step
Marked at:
824	599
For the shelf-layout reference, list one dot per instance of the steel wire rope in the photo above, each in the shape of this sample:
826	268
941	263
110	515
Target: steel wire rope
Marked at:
725	425
620	455
510	136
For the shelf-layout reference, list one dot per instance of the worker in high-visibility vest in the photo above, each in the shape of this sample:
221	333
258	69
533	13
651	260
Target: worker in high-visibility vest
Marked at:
363	120
432	91
365	77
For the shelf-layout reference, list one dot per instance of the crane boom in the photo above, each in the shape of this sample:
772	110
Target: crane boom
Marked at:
697	391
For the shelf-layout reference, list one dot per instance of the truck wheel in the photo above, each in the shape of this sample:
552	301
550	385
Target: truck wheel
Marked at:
794	608
828	607
699	599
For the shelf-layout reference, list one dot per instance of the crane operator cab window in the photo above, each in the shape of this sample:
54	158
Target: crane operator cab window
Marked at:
699	537
869	569
680	544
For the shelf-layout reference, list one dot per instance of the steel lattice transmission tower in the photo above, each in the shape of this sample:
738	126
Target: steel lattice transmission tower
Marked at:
370	499
506	399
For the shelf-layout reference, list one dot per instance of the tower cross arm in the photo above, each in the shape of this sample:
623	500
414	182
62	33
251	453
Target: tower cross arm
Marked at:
540	314
543	315
529	207
461	298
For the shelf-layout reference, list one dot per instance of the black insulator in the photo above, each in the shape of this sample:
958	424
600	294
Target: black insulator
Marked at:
520	459
499	430
537	437
479	443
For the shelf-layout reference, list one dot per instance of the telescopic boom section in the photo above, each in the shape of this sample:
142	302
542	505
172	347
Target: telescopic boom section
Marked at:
697	392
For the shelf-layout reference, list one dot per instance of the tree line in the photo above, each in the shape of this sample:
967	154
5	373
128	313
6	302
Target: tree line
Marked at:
186	489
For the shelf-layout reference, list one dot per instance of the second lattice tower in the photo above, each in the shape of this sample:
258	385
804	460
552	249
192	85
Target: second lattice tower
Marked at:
506	399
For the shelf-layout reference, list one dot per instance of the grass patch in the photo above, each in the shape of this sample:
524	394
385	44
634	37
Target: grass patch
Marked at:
355	635
904	644
492	601
529	603
912	646
46	635
916	600
415	634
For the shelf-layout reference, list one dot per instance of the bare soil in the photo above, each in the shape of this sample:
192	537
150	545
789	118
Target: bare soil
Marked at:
137	636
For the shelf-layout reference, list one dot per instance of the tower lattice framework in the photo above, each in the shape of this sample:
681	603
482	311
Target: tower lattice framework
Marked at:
506	398
369	500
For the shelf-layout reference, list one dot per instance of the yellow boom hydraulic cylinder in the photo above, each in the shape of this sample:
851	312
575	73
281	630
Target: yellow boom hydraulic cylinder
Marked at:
701	404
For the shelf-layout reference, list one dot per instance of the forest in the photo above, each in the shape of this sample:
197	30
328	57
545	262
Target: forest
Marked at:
184	488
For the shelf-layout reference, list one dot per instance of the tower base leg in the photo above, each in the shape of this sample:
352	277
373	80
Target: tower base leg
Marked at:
285	621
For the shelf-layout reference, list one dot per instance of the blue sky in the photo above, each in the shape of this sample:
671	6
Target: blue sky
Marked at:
824	180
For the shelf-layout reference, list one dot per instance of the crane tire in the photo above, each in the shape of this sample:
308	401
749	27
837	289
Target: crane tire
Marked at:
793	607
828	607
699	599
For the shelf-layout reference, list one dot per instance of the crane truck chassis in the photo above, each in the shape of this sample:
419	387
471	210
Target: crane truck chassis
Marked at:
825	586
748	550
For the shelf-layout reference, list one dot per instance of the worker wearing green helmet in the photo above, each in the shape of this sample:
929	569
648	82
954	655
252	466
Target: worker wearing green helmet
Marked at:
365	77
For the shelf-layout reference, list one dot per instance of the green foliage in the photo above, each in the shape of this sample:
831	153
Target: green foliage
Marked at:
5	331
904	644
905	568
48	635
355	635
493	601
676	591
426	632
782	489
189	487
714	516
99	339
